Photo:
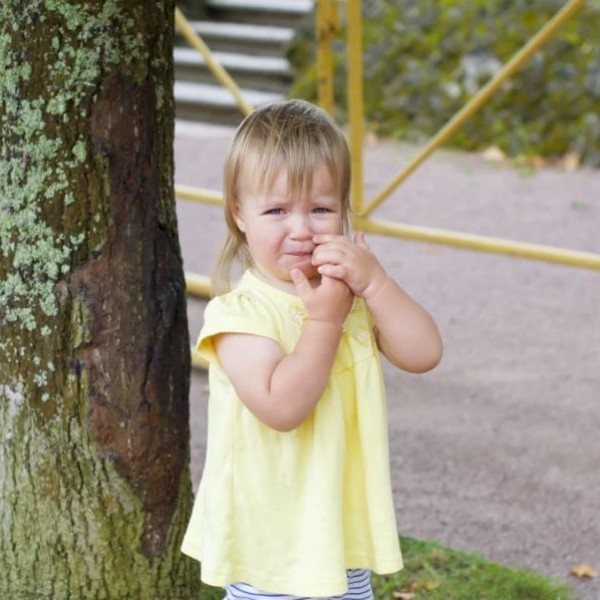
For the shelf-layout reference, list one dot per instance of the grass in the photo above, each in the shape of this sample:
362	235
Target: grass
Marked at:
433	572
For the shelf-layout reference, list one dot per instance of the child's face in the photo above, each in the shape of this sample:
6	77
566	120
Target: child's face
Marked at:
279	227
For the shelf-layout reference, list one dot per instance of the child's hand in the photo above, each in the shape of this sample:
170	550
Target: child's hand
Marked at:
352	262
329	302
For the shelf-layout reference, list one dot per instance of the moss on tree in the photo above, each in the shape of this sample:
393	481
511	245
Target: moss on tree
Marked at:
94	482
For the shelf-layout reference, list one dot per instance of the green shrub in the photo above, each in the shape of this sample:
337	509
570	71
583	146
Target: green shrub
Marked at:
423	59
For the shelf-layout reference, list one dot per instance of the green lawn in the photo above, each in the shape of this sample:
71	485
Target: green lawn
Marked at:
433	572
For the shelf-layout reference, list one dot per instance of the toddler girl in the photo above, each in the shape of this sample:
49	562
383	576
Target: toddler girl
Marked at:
295	498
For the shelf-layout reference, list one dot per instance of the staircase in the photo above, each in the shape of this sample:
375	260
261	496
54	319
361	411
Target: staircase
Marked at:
249	39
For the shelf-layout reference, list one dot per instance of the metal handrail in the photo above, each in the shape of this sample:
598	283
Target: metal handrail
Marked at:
201	284
326	24
198	284
482	243
197	360
479	99
211	62
326	28
355	101
186	192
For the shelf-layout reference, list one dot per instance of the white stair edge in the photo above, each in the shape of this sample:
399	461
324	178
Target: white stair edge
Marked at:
184	128
218	96
231	60
281	6
246	31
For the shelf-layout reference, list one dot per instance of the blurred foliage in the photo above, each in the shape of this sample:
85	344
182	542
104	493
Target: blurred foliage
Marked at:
423	59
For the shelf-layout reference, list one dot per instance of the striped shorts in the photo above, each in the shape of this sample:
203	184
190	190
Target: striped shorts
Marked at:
359	588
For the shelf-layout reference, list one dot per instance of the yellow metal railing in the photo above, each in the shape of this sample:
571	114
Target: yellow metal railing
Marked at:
326	29
478	100
185	192
194	40
439	236
481	243
355	101
326	20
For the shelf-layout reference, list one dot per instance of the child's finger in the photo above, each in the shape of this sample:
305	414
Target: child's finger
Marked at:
334	271
300	282
359	238
325	238
329	254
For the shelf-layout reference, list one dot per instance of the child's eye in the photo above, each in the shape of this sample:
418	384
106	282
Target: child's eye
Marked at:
321	209
274	211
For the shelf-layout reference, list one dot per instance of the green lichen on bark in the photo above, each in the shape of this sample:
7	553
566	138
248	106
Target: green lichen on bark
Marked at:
74	516
90	558
40	159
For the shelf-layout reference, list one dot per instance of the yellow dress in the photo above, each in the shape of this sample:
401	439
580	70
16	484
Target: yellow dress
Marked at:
289	512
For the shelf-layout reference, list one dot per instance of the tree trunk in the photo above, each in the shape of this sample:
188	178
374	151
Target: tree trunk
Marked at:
94	351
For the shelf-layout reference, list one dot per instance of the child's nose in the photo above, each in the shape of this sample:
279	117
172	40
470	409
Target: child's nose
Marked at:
300	228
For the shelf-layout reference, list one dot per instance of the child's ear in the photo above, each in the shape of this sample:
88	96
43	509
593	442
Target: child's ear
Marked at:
237	216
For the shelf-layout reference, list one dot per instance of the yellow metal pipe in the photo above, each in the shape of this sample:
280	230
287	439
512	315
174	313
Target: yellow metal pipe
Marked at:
480	243
197	361
185	192
198	285
325	28
217	70
355	99
480	98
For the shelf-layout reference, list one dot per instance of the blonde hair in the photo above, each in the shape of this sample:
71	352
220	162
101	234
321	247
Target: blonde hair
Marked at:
294	135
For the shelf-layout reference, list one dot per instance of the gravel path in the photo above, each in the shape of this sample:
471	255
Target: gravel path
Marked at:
498	449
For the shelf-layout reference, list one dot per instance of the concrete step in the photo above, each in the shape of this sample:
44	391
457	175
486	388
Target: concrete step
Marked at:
266	73
243	38
272	12
213	103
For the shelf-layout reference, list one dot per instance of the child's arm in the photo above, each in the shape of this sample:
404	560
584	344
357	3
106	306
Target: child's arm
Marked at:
405	332
282	389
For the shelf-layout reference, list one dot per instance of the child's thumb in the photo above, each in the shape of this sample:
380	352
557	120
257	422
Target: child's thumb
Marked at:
300	281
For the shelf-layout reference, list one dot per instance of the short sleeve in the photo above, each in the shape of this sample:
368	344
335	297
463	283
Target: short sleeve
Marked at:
235	312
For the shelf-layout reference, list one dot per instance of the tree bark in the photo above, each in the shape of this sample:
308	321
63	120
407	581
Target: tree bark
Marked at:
95	491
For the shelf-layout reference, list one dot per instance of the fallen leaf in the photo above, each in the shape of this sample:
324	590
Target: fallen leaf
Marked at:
403	595
493	154
571	161
583	571
371	139
537	162
430	585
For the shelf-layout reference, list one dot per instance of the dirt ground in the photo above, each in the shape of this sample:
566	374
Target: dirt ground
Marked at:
498	449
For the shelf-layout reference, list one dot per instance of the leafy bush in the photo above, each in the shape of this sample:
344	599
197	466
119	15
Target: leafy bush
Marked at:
423	59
